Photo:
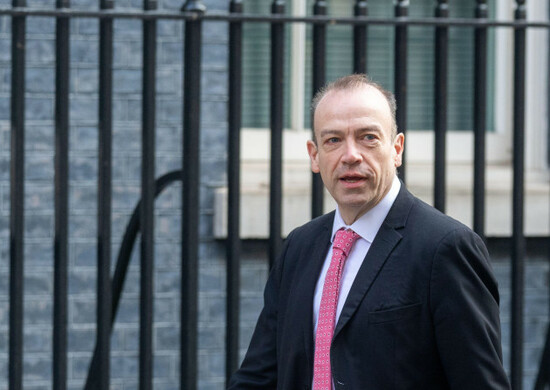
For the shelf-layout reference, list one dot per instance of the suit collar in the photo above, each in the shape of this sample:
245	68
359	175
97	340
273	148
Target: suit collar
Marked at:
384	243
397	217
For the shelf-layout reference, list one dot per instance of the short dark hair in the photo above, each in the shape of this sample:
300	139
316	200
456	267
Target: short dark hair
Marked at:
353	81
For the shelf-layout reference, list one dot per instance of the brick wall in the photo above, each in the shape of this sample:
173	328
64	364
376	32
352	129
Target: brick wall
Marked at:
39	197
536	302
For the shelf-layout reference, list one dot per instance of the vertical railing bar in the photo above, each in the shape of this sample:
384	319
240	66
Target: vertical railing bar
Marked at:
360	38
440	105
480	118
276	123
518	239
233	192
319	78
400	77
17	196
61	200
147	199
190	195
104	198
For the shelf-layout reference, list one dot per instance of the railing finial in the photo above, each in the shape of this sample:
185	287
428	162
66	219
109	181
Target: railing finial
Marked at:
402	8
193	6
319	3
442	8
360	8
481	9
521	10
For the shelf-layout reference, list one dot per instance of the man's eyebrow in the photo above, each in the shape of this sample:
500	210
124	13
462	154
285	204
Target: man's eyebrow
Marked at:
324	133
371	127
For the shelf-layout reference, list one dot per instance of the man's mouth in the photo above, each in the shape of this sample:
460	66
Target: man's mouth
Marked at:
352	179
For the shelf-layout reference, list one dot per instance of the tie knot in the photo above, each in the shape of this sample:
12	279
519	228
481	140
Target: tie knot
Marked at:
344	240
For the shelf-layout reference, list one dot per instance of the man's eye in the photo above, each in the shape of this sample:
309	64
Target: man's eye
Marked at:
333	140
369	137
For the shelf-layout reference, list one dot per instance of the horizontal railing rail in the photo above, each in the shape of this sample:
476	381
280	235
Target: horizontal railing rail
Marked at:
228	17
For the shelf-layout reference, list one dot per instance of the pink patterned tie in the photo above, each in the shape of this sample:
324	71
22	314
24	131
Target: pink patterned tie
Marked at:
343	241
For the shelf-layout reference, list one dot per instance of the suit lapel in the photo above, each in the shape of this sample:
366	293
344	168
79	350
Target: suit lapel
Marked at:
385	241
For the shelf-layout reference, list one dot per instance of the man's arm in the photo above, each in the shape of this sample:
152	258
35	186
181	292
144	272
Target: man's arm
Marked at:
464	303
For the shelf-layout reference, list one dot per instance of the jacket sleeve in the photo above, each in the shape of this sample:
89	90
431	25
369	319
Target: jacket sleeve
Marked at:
259	367
464	302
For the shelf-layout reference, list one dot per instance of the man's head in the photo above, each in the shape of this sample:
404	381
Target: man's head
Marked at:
356	147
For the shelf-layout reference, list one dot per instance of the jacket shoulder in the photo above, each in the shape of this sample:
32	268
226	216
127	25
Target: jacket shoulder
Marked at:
415	212
313	227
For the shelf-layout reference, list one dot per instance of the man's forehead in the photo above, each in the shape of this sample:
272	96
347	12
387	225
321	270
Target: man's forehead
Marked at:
362	104
337	99
368	93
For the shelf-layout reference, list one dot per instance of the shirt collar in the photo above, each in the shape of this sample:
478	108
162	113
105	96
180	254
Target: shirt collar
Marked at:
368	224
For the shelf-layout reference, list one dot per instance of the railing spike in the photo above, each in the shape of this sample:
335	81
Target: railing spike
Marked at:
194	6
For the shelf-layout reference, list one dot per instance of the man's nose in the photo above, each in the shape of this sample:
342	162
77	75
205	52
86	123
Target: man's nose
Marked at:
351	153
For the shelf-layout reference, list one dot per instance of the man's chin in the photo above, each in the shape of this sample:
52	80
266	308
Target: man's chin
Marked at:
354	203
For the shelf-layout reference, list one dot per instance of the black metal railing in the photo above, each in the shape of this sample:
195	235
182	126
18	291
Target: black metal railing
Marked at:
61	200
518	238
233	191
193	14
190	196
17	193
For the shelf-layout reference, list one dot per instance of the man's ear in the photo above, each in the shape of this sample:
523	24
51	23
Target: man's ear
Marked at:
313	156
398	146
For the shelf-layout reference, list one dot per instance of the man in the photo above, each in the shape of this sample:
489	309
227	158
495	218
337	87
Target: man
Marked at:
410	301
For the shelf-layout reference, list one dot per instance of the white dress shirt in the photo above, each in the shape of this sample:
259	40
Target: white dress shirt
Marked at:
367	227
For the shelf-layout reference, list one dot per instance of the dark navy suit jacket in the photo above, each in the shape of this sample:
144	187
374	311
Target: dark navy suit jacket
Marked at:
423	311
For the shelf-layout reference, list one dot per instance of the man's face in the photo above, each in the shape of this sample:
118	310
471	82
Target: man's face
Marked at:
355	153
